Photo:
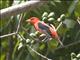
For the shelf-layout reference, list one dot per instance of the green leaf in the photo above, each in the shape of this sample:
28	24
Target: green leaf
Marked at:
69	23
77	10
52	44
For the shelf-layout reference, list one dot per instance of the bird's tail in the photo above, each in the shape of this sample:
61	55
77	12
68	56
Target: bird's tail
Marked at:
59	41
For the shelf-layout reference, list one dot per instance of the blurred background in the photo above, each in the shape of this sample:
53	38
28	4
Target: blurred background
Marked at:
19	46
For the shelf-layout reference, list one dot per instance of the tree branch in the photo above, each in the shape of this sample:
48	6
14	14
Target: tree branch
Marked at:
38	53
6	35
34	50
78	20
72	47
14	33
16	9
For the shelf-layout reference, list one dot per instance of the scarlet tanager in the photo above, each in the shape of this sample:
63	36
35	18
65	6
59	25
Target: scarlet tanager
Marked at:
44	28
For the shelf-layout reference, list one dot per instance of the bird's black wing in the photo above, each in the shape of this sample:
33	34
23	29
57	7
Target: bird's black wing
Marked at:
44	28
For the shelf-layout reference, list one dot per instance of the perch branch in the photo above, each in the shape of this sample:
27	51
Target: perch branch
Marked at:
38	53
34	50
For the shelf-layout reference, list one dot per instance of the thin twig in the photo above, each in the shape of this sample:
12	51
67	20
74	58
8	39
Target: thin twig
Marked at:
68	48
16	30
20	19
19	24
14	33
78	20
33	49
7	24
52	26
59	26
38	53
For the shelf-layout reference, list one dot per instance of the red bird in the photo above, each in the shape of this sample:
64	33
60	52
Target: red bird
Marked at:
44	28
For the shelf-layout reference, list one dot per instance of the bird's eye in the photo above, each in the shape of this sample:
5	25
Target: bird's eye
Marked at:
32	18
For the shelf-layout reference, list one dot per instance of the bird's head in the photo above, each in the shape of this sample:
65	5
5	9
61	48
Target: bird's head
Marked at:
32	20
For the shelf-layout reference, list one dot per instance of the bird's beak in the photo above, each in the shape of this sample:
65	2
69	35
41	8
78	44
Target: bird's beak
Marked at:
28	20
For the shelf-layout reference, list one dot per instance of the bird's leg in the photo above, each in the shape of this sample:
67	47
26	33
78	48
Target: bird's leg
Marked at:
47	37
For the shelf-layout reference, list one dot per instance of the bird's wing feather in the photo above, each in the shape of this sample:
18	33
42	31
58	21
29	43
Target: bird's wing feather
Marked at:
44	27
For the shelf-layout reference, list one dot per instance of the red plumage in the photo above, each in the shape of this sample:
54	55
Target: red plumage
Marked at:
44	28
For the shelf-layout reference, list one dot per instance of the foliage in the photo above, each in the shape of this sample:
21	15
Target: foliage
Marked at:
17	48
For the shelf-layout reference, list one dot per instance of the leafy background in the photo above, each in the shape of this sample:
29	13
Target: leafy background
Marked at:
69	32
